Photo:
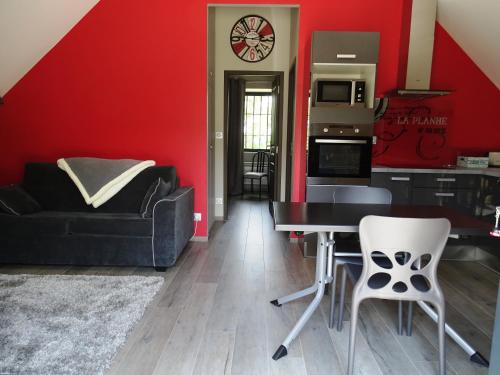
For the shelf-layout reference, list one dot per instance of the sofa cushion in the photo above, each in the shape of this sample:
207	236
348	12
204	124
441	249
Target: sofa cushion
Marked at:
112	224
54	190
30	225
57	223
15	201
158	190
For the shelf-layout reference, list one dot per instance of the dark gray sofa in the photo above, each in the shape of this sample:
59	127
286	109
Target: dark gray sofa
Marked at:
70	232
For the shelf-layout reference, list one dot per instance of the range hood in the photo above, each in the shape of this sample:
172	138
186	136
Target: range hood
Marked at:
420	50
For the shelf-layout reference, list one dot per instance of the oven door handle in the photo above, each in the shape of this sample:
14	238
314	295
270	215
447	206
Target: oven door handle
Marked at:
342	141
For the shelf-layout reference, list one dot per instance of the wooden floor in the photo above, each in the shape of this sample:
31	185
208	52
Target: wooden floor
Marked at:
213	314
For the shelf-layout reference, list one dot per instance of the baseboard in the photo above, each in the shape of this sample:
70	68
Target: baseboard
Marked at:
199	239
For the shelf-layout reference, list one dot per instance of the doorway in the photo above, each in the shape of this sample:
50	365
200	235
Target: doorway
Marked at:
253	113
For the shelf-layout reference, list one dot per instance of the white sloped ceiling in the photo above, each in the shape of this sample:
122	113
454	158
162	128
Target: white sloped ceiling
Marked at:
475	26
29	29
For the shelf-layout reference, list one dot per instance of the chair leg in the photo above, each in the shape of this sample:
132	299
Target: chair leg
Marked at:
409	323
342	300
400	318
260	188
440	309
352	334
251	185
333	287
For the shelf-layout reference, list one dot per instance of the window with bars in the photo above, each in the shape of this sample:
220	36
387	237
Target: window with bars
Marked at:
257	122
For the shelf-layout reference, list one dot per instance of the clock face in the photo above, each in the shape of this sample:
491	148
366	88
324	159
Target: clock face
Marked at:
252	38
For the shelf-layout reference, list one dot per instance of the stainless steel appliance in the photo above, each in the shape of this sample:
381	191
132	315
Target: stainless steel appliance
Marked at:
339	154
331	92
494	159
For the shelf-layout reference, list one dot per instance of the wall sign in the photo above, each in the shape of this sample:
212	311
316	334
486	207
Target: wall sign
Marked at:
252	38
414	133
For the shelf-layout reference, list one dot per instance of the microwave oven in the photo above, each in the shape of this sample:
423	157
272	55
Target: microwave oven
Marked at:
340	92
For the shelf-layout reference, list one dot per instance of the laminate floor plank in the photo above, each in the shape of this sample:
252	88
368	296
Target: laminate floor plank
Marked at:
320	354
181	349
474	314
216	353
143	349
457	359
480	292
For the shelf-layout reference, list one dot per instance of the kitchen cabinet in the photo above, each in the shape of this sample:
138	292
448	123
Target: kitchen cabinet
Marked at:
445	181
459	191
339	47
399	184
463	200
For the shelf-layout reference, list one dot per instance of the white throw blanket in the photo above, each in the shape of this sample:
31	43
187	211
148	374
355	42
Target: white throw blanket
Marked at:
100	179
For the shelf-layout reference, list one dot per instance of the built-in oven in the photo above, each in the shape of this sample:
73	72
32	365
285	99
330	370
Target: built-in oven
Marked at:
339	155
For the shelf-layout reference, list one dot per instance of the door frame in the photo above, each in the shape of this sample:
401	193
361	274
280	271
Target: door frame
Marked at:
280	76
290	118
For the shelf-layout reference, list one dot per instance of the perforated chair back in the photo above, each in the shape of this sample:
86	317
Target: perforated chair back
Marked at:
260	161
362	195
413	247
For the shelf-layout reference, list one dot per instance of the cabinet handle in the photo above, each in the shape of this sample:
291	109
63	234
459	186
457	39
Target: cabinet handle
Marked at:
444	194
442	179
346	56
400	178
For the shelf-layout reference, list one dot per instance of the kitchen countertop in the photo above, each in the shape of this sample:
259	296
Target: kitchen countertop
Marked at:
492	172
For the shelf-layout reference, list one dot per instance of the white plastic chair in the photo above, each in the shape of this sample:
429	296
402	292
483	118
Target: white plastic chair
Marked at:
414	247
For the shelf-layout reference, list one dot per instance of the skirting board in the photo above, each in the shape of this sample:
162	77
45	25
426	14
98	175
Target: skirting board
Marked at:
199	239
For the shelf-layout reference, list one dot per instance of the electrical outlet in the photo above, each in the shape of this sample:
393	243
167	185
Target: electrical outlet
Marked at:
197	216
218	200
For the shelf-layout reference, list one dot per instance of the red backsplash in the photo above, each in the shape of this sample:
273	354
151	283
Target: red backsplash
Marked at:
415	132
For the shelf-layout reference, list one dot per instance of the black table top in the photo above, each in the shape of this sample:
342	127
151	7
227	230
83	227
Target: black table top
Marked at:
341	217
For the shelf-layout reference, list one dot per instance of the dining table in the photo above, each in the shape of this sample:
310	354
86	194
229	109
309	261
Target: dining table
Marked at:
326	219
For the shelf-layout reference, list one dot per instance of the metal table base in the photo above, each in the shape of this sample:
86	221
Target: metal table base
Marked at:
324	264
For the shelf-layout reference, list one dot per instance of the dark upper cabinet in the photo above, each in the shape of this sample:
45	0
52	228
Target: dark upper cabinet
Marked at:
399	184
343	47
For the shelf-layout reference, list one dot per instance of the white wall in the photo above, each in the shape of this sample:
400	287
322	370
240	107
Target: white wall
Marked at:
225	59
475	26
29	29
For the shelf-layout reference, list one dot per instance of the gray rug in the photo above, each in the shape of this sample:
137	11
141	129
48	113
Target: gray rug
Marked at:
64	324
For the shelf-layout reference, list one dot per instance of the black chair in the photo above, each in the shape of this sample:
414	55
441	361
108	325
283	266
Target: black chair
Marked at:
349	248
260	168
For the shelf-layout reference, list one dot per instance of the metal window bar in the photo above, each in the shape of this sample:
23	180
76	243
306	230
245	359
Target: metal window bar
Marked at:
257	137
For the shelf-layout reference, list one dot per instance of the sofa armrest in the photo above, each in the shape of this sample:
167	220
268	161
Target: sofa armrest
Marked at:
172	226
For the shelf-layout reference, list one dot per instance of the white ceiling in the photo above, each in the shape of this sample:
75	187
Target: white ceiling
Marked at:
29	29
475	26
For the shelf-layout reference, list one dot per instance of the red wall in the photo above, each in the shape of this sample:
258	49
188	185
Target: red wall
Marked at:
130	81
469	115
475	99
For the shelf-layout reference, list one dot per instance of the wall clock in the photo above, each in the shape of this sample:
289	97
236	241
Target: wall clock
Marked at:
252	38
